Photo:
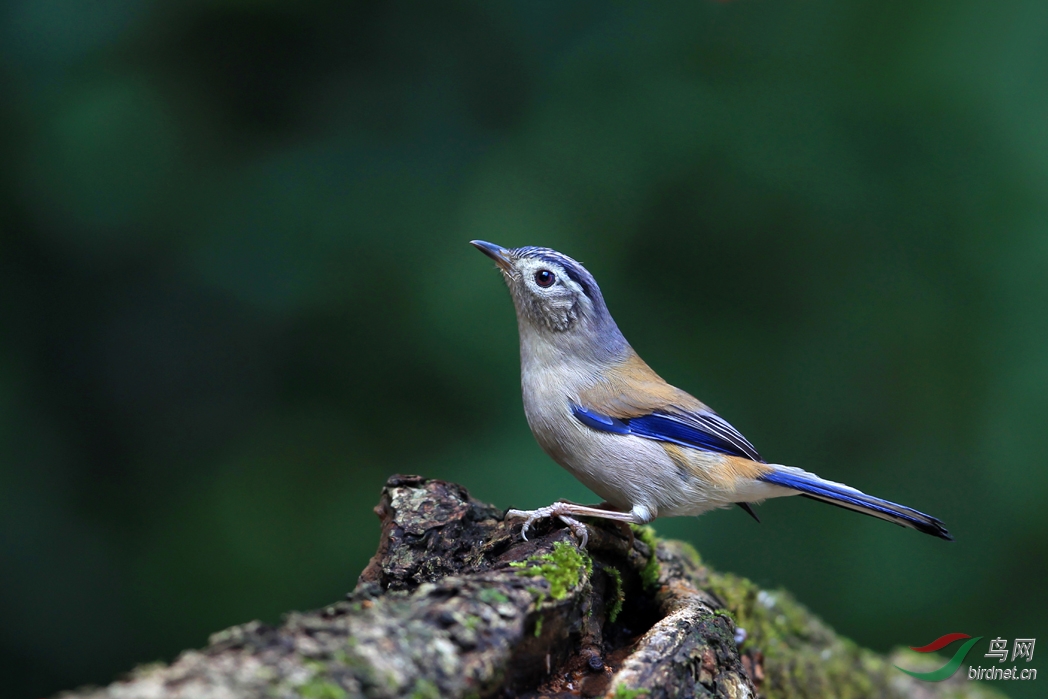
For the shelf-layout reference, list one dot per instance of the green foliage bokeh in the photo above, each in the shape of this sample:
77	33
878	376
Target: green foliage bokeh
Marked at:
236	294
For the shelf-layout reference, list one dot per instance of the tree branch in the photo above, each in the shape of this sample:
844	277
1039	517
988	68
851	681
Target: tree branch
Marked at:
455	604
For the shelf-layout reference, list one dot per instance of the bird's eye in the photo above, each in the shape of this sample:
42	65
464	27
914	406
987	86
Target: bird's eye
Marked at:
544	278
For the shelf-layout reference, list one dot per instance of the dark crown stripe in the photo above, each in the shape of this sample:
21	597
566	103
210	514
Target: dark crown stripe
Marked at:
572	268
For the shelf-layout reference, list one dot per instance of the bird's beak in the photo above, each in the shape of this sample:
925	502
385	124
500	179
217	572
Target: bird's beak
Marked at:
495	252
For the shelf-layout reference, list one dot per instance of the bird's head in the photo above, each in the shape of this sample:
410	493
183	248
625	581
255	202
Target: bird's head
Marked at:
558	302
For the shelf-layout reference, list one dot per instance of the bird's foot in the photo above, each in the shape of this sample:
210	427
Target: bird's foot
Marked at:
560	510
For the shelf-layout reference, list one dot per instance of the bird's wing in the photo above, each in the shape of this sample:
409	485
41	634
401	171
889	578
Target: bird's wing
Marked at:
632	399
701	430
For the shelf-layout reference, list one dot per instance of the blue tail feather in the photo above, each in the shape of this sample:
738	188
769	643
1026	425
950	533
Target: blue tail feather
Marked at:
816	488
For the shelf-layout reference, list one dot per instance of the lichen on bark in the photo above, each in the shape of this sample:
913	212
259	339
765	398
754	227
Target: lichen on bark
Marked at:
456	604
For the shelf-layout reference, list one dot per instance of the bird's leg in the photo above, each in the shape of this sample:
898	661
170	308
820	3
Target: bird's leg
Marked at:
624	526
566	513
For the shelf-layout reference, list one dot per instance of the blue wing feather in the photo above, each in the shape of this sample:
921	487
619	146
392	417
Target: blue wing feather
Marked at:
697	430
595	420
708	431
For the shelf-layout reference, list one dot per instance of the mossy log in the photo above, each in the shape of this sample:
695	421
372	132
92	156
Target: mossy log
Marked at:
456	604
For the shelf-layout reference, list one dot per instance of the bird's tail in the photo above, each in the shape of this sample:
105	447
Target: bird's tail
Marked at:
811	486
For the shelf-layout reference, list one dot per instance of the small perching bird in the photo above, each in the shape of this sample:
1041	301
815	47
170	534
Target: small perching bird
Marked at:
648	448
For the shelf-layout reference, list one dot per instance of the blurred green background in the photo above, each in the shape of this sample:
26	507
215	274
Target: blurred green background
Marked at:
236	292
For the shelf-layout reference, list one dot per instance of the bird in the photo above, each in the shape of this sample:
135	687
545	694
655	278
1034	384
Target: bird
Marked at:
648	448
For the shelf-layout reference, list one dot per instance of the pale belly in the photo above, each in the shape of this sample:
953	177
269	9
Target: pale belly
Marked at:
629	471
624	470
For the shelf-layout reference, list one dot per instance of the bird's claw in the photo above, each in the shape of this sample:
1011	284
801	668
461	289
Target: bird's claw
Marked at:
577	528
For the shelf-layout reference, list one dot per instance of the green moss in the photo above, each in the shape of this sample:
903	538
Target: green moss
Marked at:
773	620
538	627
618	593
622	692
320	686
321	689
803	657
348	658
690	553
563	568
424	689
489	596
724	613
651	572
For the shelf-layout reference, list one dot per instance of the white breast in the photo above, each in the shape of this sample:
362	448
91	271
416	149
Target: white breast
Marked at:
625	470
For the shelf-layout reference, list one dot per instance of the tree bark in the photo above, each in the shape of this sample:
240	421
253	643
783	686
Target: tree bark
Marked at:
456	604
